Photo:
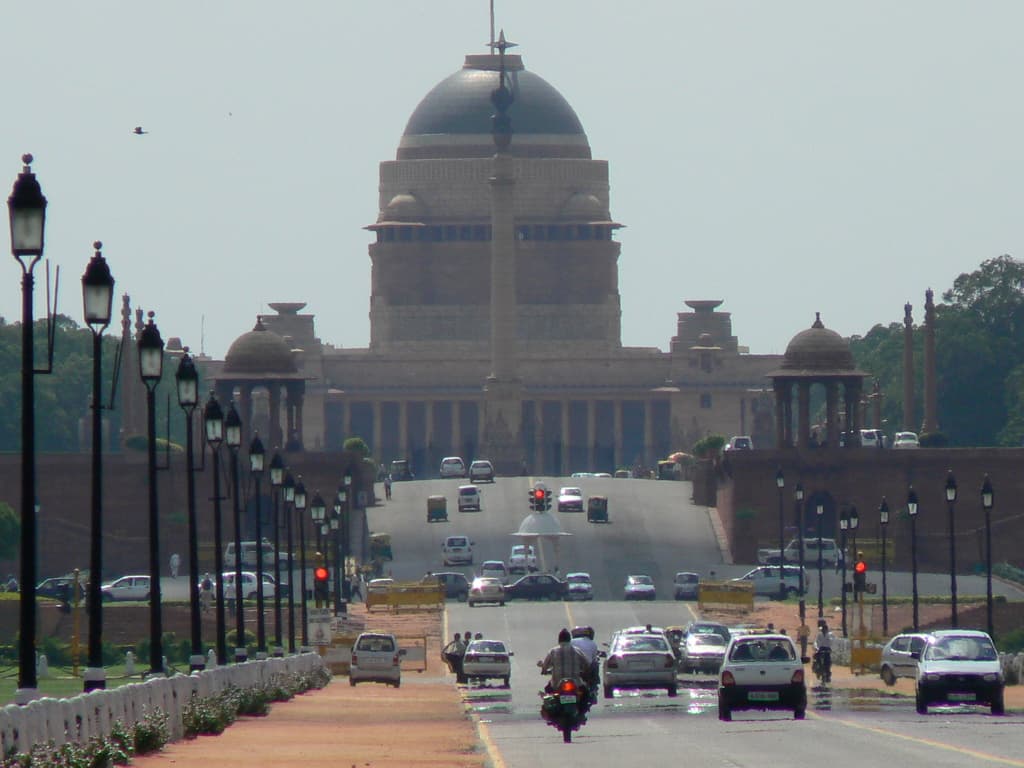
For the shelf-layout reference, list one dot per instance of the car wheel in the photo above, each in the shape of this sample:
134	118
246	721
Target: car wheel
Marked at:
505	682
502	604
352	682
724	711
673	691
920	704
397	683
997	705
608	691
799	714
888	677
470	603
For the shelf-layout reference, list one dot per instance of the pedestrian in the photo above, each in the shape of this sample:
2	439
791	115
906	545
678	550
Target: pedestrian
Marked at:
453	653
387	487
11	585
206	593
175	565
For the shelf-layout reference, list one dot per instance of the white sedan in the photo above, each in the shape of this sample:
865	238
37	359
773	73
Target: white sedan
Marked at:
640	587
570	500
486	589
580	586
488	659
126	588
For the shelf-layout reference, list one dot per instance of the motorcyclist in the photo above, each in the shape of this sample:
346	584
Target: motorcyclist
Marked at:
563	661
583	639
823	650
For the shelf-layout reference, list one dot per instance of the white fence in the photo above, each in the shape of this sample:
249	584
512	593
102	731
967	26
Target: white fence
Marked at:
91	714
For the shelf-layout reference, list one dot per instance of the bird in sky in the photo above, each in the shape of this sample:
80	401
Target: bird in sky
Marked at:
138	131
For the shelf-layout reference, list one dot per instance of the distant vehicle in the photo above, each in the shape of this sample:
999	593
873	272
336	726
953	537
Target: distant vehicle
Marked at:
597	509
685	585
765	579
495	569
570	500
708	628
376	658
959	666
537	586
639	587
248	585
702	652
453	466
249	549
486	589
904	440
400	470
437	509
455	584
457	550
522	559
126	588
469	498
639	660
872	438
481	471
580	586
58	587
831	553
897	658
487	659
761	671
740	443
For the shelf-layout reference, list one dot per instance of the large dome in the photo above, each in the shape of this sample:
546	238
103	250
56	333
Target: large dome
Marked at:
454	119
818	349
259	352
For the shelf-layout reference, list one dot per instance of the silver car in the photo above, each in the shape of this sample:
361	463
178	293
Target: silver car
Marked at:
639	660
376	658
897	660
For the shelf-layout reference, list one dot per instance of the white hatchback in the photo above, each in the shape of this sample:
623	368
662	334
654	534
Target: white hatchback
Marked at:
376	658
453	466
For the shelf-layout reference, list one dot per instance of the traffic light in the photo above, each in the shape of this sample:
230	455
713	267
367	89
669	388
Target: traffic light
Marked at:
860	578
537	499
321	578
547	499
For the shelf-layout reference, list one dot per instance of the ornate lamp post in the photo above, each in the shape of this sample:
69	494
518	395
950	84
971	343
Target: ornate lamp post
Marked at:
27	209
951	504
820	513
187	380
912	512
844	524
151	366
798	507
256	455
987	500
347	502
853	522
300	518
883	521
288	490
318	514
336	555
276	480
780	483
233	438
213	424
97	298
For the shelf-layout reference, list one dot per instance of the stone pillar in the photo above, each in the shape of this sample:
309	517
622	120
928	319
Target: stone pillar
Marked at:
244	408
908	369
931	421
804	407
832	413
346	420
782	427
299	397
649	458
403	428
456	428
538	437
275	416
591	434
378	448
565	438
617	418
428	438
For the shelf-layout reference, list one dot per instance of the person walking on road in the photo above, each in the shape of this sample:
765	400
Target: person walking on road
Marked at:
387	487
175	565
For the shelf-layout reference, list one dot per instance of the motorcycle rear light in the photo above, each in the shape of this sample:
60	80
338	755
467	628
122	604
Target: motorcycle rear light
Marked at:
567	686
727	678
798	676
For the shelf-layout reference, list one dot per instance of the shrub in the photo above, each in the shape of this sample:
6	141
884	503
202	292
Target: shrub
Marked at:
708	447
933	440
151	733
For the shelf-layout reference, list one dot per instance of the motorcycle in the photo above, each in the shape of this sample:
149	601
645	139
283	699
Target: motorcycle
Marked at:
821	666
565	708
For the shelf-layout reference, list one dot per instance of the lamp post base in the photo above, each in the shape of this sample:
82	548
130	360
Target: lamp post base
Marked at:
25	695
196	663
278	651
94	678
241	654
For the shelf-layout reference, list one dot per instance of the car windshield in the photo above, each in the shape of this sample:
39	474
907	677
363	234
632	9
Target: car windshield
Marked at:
686	578
578	578
486	646
640	580
641	643
763	650
962	648
470	491
571	492
456	542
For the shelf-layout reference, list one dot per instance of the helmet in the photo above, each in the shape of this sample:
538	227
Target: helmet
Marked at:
583	632
564	636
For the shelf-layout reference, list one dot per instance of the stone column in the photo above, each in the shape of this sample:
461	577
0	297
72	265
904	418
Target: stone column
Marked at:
275	416
649	458
619	447
538	438
244	408
931	421
832	413
428	438
378	448
565	437
403	429
456	428
908	369
591	434
781	426
804	407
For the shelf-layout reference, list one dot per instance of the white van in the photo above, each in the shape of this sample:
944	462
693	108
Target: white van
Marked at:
469	498
457	550
249	554
453	466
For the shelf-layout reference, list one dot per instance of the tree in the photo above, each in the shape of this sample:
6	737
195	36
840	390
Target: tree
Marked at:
357	446
10	531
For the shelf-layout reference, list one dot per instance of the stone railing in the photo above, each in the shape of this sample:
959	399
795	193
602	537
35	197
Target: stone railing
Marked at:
86	715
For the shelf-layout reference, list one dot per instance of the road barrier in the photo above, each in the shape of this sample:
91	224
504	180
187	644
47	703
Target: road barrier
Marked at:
728	594
405	596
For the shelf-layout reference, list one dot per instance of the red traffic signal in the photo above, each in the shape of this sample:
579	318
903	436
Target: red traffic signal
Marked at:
860	576
860	567
320	573
538	496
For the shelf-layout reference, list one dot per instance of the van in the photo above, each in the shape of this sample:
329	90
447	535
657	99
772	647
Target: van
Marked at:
469	498
872	438
453	466
457	550
249	554
831	554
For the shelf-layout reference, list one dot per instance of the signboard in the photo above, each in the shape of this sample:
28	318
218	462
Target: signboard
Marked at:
319	626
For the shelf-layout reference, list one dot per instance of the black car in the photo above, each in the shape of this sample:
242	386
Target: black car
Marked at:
57	587
455	584
537	586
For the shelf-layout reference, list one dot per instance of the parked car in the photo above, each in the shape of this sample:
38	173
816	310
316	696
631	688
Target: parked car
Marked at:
708	628
488	659
249	554
639	660
740	443
580	586
702	652
486	589
126	588
453	466
570	499
455	584
872	438
376	658
522	559
904	440
495	569
58	587
537	586
457	550
685	585
481	471
959	666
248	585
831	553
639	587
469	498
761	671
897	656
766	580
400	470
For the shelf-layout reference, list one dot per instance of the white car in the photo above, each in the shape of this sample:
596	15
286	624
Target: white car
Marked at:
639	660
481	471
570	500
898	656
740	443
126	588
494	569
522	559
959	666
639	587
761	671
765	579
872	438
457	550
376	658
580	586
248	586
904	440
453	466
486	659
469	498
486	589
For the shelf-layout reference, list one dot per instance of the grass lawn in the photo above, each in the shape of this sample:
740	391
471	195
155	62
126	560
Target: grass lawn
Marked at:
60	684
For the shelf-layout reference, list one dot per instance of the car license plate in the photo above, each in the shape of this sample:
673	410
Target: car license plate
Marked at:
763	696
641	665
485	659
567	698
961	697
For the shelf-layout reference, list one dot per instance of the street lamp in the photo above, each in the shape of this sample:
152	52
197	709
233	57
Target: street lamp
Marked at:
987	500
336	543
256	455
912	512
213	424
883	520
951	504
276	480
300	516
288	489
97	298
151	367
187	380
798	508
318	514
346	529
780	483
820	513
27	209
844	524
233	438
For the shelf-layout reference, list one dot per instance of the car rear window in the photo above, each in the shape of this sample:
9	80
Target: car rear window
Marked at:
642	643
457	541
763	650
467	491
375	643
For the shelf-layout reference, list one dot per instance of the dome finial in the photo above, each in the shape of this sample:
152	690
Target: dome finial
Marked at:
501	98
817	321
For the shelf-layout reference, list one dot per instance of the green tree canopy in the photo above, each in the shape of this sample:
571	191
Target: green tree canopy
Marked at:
10	531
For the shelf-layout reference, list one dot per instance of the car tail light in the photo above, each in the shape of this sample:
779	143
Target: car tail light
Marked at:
670	660
613	662
396	660
469	657
567	686
354	659
501	658
727	678
798	676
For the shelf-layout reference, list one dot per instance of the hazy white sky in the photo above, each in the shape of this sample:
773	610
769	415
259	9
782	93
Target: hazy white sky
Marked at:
787	157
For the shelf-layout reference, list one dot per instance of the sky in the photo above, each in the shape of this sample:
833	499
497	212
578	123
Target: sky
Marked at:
786	157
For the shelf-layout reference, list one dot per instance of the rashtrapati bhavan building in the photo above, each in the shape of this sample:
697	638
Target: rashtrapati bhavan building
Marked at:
495	310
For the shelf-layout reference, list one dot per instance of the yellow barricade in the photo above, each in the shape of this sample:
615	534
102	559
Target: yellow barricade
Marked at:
412	595
865	660
729	594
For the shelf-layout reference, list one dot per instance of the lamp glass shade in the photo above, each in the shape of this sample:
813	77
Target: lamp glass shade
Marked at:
950	488
300	497
342	496
883	512
348	479
820	510
97	292
334	523
276	470
912	503
213	422
27	209
318	509
843	523
799	492
288	486
233	428
187	380
854	520
780	481
987	495
256	455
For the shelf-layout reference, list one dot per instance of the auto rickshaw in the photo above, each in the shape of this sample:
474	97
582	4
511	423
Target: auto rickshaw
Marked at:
437	509
597	509
380	546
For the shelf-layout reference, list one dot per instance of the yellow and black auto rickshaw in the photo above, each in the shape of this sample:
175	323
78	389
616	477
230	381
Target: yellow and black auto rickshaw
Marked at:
380	546
437	509
597	509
